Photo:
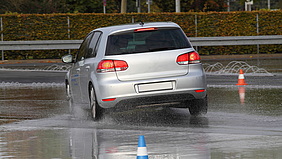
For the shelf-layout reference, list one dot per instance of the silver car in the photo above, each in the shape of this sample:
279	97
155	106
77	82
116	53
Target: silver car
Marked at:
137	65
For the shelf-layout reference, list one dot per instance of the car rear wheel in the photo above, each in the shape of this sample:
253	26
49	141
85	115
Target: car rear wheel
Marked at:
198	106
96	110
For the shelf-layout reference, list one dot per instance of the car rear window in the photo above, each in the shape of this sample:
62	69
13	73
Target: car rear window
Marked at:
146	41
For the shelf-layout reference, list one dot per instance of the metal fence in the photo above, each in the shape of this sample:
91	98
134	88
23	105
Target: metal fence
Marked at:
196	41
236	40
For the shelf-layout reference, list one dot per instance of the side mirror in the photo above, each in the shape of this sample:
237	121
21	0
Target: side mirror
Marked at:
67	59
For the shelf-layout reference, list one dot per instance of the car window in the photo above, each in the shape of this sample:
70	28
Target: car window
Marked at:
83	48
93	45
146	41
98	44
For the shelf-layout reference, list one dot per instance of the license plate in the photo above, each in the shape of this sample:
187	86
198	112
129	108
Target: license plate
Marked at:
148	87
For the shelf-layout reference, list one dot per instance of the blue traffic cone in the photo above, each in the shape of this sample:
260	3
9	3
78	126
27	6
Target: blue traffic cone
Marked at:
142	149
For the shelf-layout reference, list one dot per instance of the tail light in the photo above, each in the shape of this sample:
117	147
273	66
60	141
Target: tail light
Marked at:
188	58
111	66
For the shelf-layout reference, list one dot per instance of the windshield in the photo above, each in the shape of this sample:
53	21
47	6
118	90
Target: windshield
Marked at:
146	41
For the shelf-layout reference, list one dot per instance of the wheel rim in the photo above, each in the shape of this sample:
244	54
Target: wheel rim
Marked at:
93	102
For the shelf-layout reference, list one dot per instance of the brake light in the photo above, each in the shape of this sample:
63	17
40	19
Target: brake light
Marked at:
111	66
188	58
120	65
145	29
183	59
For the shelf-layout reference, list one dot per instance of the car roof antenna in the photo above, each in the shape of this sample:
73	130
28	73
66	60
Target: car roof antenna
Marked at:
141	23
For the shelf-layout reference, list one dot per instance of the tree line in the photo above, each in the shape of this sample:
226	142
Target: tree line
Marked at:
112	6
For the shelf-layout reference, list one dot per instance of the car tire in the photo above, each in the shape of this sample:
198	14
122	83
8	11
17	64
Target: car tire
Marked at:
96	110
68	91
198	106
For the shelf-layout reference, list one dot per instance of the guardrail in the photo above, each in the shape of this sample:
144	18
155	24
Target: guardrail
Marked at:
236	40
40	45
196	41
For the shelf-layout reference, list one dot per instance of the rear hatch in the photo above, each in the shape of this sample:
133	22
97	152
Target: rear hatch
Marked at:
152	65
149	53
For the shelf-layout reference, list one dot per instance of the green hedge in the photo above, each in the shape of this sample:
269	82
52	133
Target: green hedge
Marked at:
55	27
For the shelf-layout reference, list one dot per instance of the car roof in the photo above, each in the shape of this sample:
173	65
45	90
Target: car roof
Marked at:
124	27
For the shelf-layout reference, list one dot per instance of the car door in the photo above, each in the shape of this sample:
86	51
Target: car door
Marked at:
85	69
75	71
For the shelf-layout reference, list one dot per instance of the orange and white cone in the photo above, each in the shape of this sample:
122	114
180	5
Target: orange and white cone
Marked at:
241	79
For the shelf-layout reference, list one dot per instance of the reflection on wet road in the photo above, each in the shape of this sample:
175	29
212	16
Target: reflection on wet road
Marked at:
242	122
246	100
31	101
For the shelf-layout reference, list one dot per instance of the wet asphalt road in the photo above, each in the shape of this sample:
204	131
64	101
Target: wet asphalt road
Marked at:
31	76
242	122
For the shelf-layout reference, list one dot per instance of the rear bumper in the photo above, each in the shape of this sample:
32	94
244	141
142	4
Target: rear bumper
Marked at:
170	100
126	93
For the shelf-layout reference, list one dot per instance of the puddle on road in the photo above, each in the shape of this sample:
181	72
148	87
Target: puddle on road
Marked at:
31	101
246	100
169	134
122	144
